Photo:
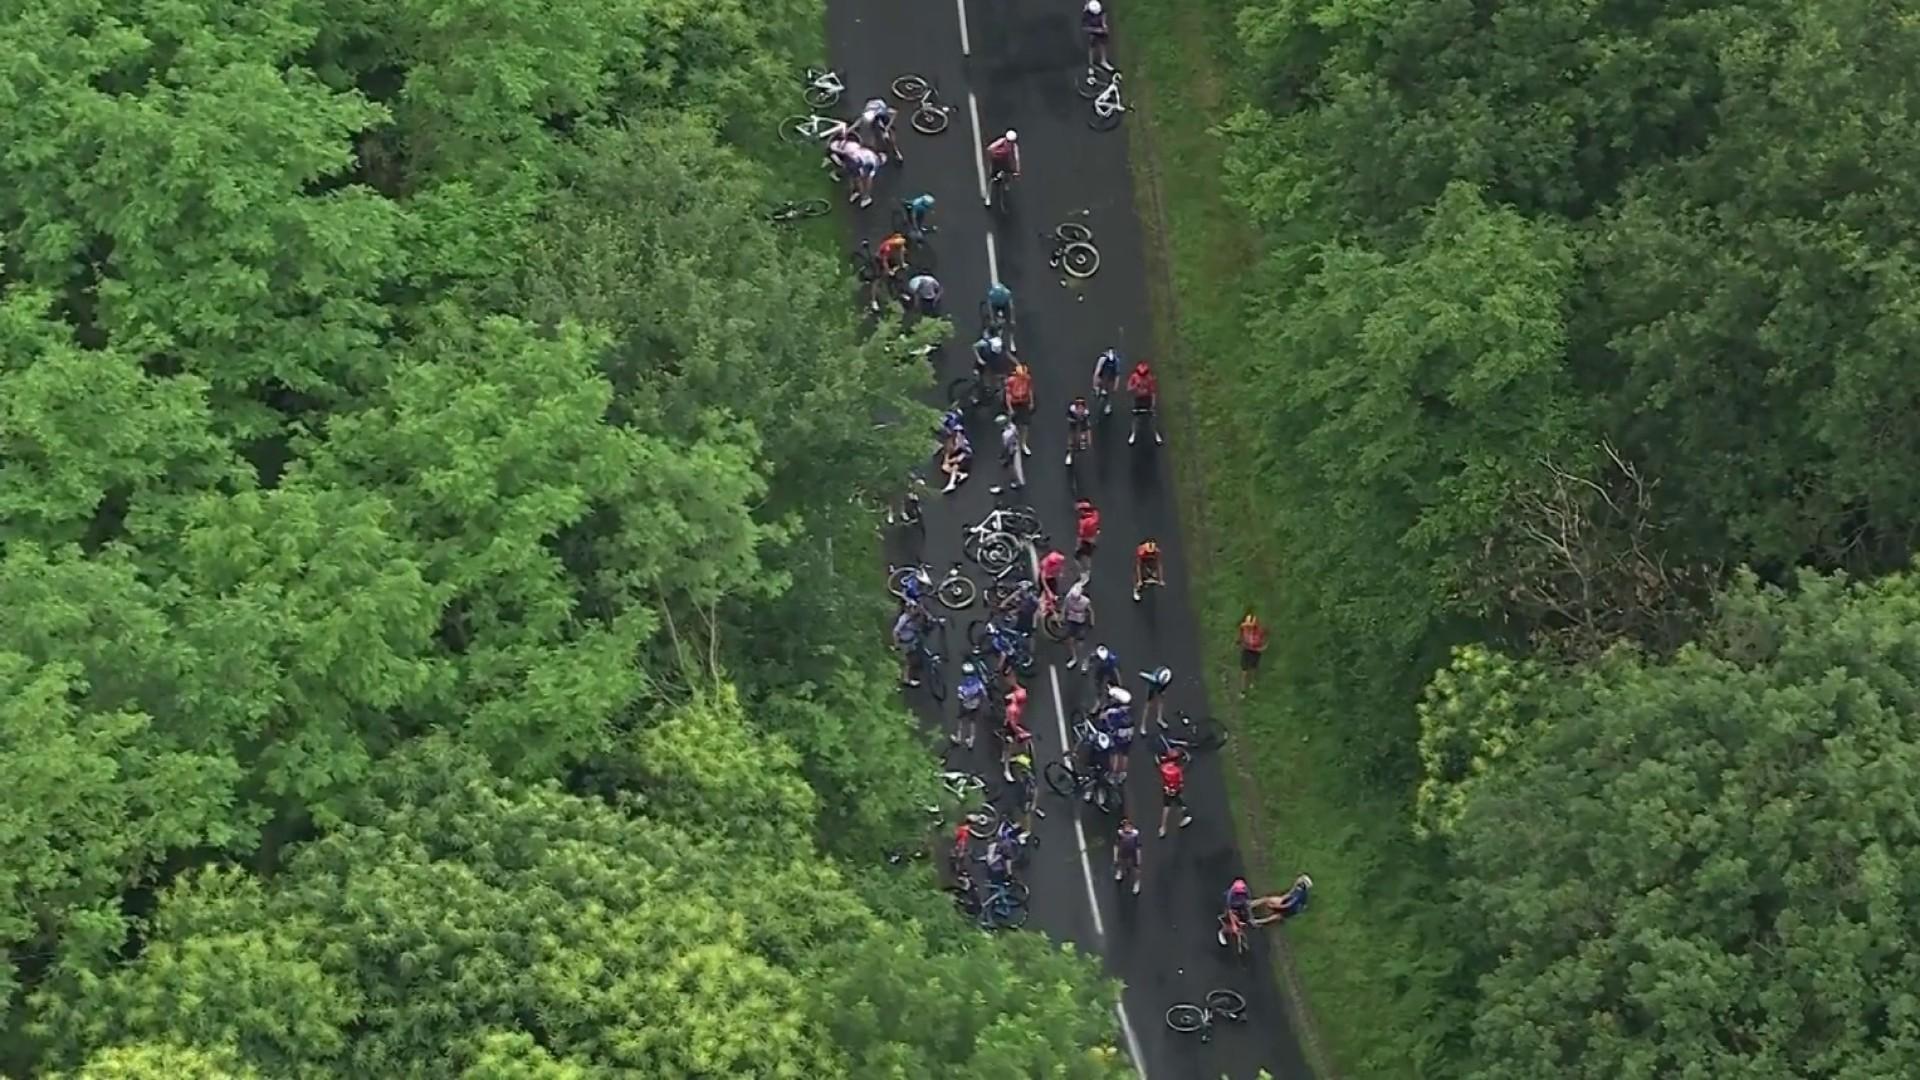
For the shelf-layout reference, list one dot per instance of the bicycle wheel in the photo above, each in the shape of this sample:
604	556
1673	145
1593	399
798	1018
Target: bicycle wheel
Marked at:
977	633
1054	625
937	638
958	592
1186	1018
929	119
1021	521
1080	259
1105	119
909	87
964	392
811	208
1060	778
1008	914
997	552
983	830
1090	82
795	130
821	97
1228	1003
1069	232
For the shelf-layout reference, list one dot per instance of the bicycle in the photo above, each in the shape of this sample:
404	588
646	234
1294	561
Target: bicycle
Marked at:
1233	933
823	88
1068	778
994	320
1072	250
796	210
1004	907
955	589
800	129
929	117
1196	736
1020	648
1188	1019
974	392
997	540
932	661
1107	107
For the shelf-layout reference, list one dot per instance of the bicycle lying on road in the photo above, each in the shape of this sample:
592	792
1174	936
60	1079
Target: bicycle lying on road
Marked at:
1072	250
781	213
929	117
801	129
1107	107
955	589
1187	1018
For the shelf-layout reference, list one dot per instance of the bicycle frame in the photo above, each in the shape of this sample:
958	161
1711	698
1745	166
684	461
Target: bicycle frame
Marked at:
821	127
1108	103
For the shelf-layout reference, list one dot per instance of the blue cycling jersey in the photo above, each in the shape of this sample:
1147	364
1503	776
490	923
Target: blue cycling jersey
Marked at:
1109	365
1109	666
920	204
972	691
1129	841
999	295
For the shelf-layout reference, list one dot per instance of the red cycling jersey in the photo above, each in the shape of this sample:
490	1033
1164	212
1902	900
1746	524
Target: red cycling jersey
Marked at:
1141	385
1088	529
1172	779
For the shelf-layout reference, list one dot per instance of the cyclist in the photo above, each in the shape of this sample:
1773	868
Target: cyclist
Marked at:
839	159
924	292
1126	853
1117	722
960	854
1001	644
956	461
951	421
892	255
1015	739
1026	791
1021	608
1271	909
1106	667
1086	532
876	126
1019	394
1156	682
1093	22
1146	567
1052	565
1010	458
972	694
1079	428
1146	395
866	267
866	163
1239	906
1076	611
1003	158
999	307
918	211
990	356
1173	791
1106	374
907	635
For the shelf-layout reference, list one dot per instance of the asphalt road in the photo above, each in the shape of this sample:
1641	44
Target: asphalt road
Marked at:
1005	64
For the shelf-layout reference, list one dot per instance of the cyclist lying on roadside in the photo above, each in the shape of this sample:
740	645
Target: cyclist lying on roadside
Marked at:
956	461
1272	909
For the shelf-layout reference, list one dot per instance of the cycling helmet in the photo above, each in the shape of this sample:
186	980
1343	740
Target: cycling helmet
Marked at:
1093	7
1239	885
1102	653
1103	740
1023	759
1021	369
1141	368
996	343
966	668
1001	419
1083	505
1304	880
1162	676
1120	696
1012	135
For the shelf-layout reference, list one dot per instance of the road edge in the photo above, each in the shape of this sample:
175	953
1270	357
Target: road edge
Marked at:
1190	498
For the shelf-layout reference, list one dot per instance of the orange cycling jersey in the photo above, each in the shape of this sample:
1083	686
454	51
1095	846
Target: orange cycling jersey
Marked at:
892	246
1148	552
1019	389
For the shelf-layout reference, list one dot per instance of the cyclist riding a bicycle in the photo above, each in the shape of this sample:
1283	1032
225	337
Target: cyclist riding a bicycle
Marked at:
1003	157
1239	909
1146	567
1079	427
1106	375
1146	399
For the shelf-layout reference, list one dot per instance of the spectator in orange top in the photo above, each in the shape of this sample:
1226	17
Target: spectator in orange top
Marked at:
1253	642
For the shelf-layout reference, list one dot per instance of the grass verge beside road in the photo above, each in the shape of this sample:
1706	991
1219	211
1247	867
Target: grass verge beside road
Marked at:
1364	978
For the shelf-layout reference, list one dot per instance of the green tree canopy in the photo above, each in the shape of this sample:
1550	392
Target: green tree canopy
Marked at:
1706	866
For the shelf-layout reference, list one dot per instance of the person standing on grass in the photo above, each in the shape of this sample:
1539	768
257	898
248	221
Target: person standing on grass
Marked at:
1253	642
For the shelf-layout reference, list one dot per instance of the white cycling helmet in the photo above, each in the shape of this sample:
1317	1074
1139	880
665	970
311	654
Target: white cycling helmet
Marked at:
1012	135
997	343
1101	740
966	668
1162	676
1102	652
1120	696
1305	880
1093	7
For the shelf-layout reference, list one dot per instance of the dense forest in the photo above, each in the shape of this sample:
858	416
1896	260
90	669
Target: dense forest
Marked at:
1588	444
424	480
